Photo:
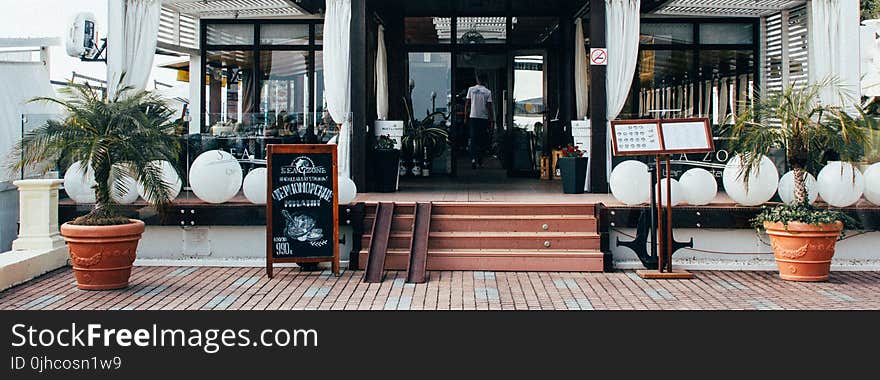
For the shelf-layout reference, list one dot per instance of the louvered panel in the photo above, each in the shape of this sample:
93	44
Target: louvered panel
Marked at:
739	8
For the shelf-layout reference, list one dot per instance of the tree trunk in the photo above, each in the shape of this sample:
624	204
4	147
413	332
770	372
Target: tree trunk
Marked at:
800	186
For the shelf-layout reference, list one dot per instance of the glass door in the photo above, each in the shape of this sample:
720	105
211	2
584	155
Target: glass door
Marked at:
527	116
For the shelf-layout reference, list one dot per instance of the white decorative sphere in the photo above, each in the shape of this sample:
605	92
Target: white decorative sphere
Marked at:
215	176
631	183
763	181
169	176
698	186
79	182
254	186
676	192
347	190
128	194
872	183
786	188
840	184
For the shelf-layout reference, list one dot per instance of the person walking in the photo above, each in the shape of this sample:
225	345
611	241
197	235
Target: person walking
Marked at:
479	118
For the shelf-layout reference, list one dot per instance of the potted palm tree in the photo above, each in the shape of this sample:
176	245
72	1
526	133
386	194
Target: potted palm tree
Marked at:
126	134
803	236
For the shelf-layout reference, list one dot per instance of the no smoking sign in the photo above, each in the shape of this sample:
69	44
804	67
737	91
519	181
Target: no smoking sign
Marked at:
599	56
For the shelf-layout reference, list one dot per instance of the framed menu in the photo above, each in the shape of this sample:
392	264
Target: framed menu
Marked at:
687	136
636	137
668	136
302	213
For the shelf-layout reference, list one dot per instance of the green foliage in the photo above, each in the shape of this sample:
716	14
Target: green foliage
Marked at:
422	137
384	142
810	133
808	214
870	9
114	137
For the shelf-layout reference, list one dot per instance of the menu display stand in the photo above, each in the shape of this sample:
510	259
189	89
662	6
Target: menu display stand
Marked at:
661	138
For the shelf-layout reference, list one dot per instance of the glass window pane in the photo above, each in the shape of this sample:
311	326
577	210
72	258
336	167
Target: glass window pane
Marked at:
284	34
230	99
283	91
726	33
319	34
427	30
533	30
230	34
324	125
662	78
429	78
666	33
481	30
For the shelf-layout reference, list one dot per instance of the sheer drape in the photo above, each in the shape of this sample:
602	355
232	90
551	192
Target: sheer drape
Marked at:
581	73
622	33
381	77
133	27
337	75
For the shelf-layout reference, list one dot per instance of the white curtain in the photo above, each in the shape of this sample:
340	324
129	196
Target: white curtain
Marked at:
133	27
381	77
581	73
834	49
337	75
622	21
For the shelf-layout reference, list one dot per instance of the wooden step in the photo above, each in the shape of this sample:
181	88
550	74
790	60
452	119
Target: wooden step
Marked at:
501	260
496	208
497	223
499	240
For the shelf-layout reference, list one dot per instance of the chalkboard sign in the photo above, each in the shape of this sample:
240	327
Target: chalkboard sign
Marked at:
302	212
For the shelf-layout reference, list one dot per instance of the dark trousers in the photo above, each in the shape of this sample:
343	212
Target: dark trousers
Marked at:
478	133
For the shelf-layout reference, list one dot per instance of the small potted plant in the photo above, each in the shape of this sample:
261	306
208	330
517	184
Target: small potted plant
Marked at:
803	236
423	140
125	135
573	167
386	164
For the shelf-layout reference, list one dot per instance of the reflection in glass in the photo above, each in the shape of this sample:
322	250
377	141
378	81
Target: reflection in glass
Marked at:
230	34
666	33
429	82
230	89
534	30
324	125
283	91
284	34
726	33
481	30
427	30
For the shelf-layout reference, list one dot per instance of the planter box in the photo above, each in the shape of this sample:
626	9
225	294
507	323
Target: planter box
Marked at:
574	174
387	164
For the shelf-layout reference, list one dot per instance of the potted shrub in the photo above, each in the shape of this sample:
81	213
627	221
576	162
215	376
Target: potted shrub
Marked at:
119	136
803	236
387	163
573	168
423	140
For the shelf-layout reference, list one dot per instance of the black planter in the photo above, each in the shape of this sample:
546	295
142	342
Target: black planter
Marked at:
387	164
574	174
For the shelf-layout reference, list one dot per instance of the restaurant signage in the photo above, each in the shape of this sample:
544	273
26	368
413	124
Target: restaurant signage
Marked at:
302	212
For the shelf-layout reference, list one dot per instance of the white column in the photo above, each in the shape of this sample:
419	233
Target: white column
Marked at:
850	58
195	88
38	205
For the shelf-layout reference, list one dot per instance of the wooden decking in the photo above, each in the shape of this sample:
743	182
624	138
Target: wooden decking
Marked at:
216	288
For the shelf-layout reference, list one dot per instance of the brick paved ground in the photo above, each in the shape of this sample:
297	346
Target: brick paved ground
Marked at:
192	288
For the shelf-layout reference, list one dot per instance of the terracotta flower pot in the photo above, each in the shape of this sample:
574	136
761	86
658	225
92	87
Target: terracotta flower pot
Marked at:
803	251
102	255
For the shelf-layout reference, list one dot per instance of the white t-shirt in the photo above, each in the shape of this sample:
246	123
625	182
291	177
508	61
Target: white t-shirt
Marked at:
479	96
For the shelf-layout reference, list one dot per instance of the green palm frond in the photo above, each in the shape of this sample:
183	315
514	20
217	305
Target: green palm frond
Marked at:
121	135
809	132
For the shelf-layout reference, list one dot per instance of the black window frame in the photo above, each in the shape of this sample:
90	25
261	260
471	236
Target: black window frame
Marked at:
256	48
